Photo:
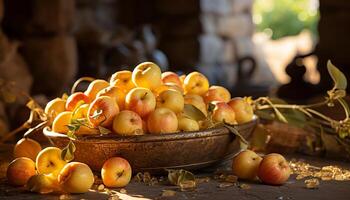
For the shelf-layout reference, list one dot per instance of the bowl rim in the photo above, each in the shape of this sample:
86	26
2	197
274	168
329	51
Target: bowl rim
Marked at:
212	132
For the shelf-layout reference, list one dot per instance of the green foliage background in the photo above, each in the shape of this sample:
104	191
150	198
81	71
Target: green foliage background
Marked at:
285	17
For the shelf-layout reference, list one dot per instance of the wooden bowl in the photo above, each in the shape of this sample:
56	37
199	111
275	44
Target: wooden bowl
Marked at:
154	153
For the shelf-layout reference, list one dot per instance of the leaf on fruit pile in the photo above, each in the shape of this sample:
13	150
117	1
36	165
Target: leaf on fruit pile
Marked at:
103	130
182	178
236	133
68	152
193	112
338	77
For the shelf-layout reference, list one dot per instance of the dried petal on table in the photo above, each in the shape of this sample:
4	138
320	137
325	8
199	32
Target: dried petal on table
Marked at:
225	185
244	186
202	180
123	191
312	183
168	193
231	179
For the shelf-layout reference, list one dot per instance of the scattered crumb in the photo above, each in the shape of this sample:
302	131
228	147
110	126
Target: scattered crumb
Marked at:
244	186
123	191
64	197
225	185
326	173
168	193
312	183
231	179
101	187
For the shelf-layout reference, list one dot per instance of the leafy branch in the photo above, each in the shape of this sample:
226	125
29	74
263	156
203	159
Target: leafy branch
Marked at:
269	108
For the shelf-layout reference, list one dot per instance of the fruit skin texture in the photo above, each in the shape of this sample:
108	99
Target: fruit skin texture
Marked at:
49	161
171	77
217	93
116	93
274	169
94	87
28	148
76	177
223	113
196	83
196	101
187	124
171	99
59	125
162	120
147	75
246	164
141	101
243	110
75	100
128	123
55	107
116	172
102	111
81	112
20	170
123	80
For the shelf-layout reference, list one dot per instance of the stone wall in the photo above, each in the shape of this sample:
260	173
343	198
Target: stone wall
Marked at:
226	37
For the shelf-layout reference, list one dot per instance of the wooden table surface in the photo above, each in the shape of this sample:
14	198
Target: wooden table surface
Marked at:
293	189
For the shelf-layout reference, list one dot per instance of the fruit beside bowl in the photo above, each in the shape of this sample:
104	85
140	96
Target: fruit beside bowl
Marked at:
155	120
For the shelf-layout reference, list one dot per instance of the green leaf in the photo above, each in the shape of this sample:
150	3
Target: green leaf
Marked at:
71	135
68	152
236	133
194	113
338	77
295	117
182	178
103	130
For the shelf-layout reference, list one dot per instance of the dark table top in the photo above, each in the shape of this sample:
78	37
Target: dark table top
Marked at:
293	189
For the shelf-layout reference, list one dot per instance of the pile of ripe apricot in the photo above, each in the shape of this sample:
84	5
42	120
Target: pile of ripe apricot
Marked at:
146	101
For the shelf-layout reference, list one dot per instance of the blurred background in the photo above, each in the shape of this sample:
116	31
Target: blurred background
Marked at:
253	47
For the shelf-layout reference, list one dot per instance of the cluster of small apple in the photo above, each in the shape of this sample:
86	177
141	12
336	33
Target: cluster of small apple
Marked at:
146	101
44	171
271	169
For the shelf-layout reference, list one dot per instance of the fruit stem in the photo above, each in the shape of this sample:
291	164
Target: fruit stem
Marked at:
77	82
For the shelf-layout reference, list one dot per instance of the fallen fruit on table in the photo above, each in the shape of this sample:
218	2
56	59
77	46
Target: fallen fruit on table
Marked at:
76	177
246	165
274	169
116	172
27	147
49	161
20	170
